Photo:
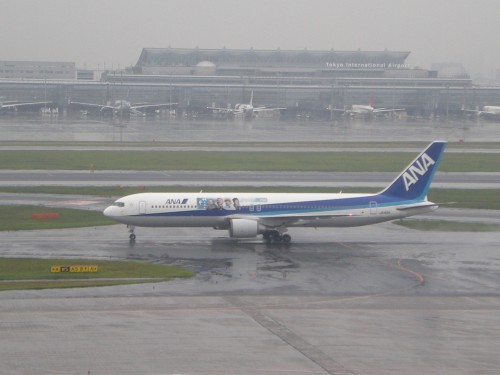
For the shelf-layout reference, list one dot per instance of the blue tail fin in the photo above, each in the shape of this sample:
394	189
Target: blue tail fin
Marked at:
414	181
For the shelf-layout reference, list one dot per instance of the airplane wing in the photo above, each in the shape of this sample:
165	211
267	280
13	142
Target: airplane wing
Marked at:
472	112
264	109
339	110
98	107
388	110
285	220
14	105
144	107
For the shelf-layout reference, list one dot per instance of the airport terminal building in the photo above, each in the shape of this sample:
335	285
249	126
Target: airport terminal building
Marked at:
272	63
298	80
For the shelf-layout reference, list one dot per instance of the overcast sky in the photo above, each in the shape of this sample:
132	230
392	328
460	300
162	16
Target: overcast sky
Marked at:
113	32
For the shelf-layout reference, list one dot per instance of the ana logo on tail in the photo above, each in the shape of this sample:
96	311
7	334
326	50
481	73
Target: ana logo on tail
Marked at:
419	168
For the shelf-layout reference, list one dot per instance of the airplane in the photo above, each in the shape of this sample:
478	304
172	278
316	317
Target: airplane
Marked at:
15	106
367	110
247	215
490	112
122	107
246	111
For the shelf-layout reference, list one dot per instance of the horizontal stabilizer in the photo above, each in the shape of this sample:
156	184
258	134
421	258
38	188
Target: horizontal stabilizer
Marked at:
413	207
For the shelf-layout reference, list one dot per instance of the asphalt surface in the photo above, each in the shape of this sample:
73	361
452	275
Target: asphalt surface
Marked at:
235	178
23	128
381	299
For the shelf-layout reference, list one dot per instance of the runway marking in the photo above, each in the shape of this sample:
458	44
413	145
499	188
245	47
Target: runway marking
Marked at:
398	266
415	273
289	337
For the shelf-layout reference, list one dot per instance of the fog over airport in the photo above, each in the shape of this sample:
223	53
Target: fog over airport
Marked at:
111	34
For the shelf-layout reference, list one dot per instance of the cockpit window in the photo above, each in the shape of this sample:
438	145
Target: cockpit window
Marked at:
119	204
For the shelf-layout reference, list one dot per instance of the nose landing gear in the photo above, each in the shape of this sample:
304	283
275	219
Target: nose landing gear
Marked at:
131	231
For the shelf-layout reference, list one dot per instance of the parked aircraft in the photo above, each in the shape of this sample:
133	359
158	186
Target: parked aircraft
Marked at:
367	110
244	110
122	107
247	215
490	112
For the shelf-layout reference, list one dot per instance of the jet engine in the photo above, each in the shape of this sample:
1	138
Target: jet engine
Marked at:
243	228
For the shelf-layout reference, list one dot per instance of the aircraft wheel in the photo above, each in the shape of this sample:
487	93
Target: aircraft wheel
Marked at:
132	237
276	237
272	236
286	238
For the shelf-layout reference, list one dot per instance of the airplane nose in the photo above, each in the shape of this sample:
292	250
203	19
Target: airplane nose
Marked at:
108	211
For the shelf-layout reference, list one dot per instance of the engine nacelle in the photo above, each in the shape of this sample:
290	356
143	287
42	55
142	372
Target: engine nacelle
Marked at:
243	228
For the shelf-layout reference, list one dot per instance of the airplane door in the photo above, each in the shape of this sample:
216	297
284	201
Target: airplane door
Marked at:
373	208
142	207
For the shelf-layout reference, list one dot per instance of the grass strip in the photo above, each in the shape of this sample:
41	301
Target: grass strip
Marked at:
20	218
38	285
482	199
347	161
447	225
27	273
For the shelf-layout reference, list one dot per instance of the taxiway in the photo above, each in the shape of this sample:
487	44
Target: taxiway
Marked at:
373	300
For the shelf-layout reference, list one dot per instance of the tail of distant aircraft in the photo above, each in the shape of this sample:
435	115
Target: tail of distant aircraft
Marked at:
413	183
251	98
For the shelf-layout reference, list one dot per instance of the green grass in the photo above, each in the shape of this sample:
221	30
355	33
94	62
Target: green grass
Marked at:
484	199
39	269
347	161
19	218
37	285
447	226
35	273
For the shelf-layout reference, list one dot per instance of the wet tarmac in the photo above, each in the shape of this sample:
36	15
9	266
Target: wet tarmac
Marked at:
373	300
205	179
23	128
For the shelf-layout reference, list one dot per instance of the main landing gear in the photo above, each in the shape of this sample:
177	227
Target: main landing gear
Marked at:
274	236
131	231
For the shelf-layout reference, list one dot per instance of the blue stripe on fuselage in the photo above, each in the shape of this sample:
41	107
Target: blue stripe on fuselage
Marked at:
301	207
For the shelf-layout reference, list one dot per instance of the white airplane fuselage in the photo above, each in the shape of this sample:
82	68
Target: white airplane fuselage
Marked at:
243	110
121	106
493	109
490	112
363	109
190	210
